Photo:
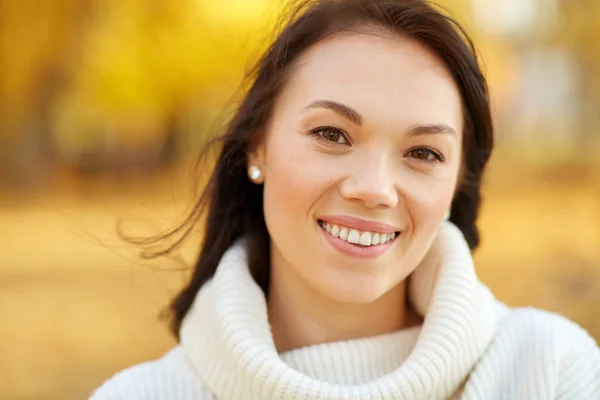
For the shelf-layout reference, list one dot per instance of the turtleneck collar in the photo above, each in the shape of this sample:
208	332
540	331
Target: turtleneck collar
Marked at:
227	338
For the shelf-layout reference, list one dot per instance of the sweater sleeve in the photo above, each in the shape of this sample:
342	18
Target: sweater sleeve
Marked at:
579	376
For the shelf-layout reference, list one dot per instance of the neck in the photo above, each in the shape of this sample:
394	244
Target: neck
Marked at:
301	316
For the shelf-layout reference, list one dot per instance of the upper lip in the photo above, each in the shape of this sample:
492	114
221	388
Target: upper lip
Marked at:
359	223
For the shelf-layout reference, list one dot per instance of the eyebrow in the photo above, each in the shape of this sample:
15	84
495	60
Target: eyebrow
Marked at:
342	109
355	117
430	129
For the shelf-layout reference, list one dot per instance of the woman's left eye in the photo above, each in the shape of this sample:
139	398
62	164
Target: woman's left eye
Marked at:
425	154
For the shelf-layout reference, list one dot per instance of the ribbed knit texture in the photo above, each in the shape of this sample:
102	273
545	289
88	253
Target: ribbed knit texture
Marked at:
469	346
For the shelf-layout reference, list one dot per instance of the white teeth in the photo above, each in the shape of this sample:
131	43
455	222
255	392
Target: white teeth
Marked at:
335	231
365	239
344	234
375	239
357	237
353	236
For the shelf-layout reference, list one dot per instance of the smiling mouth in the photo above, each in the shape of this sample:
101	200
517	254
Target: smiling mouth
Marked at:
357	237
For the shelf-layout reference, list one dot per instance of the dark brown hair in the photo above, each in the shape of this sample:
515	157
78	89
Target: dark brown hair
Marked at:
233	206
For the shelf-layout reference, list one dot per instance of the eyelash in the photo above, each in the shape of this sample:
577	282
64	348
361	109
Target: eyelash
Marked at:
317	134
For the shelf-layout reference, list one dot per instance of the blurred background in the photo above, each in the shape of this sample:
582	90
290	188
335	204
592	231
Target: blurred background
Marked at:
105	103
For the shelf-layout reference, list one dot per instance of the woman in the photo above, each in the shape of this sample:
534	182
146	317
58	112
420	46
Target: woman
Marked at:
328	270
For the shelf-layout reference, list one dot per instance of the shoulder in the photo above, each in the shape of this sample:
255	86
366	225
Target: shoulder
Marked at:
169	378
543	347
531	326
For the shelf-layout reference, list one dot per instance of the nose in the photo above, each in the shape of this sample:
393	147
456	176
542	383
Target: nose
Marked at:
371	183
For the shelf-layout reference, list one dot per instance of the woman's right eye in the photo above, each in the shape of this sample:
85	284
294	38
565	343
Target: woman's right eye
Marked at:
329	135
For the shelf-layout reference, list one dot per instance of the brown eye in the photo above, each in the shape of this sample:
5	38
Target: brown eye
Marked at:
425	154
330	135
421	154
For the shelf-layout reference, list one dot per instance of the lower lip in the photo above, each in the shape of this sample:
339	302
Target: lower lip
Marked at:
355	250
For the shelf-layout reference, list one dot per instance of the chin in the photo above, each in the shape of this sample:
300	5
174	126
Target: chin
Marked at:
353	289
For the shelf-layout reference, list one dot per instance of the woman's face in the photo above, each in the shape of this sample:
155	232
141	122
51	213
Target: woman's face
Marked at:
364	142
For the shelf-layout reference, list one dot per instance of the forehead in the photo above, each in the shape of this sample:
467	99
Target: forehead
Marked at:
380	75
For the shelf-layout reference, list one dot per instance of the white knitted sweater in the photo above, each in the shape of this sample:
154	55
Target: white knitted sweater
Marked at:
469	347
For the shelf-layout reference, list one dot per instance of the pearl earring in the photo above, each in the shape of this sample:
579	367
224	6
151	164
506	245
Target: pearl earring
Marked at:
254	172
447	216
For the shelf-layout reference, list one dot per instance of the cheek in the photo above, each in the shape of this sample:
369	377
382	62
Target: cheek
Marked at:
294	181
428	200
